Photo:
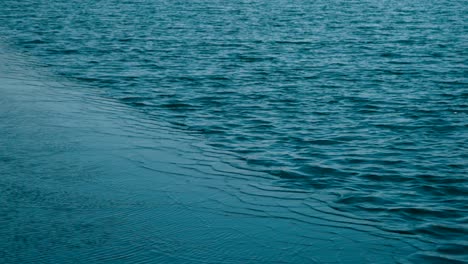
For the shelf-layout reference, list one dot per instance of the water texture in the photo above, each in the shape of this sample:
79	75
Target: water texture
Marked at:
360	106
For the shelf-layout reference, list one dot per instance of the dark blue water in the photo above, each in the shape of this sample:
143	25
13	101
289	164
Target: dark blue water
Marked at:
363	104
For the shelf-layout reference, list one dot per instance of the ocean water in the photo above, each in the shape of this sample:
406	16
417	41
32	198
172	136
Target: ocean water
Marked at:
234	131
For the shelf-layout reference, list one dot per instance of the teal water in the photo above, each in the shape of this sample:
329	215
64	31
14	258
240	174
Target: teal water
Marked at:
350	112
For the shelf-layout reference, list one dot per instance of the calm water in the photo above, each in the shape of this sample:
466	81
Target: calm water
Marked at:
361	105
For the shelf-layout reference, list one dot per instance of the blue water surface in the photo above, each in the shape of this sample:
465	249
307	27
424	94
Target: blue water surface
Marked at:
360	105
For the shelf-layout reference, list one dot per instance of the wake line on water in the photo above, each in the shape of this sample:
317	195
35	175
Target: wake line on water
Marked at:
94	142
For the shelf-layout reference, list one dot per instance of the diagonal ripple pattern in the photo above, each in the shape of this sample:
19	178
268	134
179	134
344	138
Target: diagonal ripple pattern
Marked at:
350	116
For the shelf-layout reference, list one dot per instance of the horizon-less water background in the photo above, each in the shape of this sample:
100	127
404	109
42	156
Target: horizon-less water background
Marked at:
365	101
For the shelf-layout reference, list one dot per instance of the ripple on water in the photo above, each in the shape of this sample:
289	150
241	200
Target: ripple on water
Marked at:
363	101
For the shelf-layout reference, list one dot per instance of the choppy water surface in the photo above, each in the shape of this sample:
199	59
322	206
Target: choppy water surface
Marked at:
362	104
